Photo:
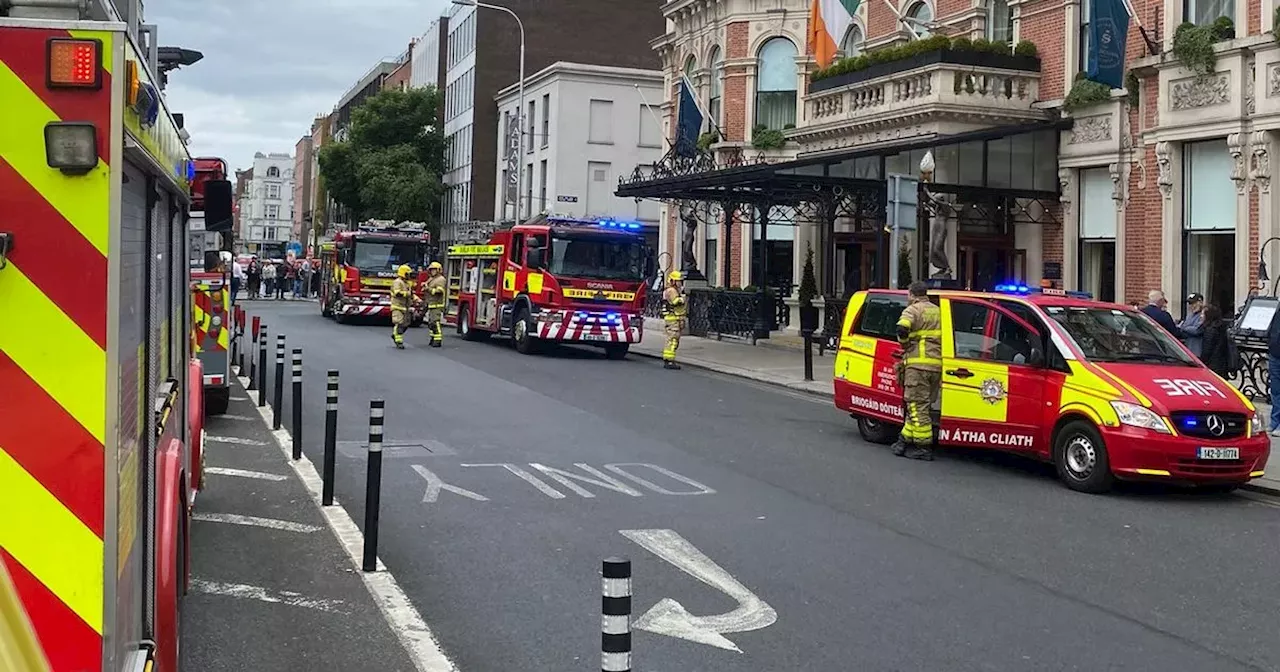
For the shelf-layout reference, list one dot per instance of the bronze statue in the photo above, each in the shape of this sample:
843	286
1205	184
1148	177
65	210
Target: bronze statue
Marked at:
688	215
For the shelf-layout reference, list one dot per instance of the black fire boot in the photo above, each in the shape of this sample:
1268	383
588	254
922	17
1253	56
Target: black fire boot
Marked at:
899	447
919	453
668	364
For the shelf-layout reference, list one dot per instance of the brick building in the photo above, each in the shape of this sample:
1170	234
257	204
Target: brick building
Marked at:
399	78
1164	186
303	158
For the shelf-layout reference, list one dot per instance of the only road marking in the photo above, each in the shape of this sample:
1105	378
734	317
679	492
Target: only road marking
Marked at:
254	521
235	440
243	591
244	473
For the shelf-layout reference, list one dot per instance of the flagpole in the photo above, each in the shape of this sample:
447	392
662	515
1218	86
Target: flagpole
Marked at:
706	114
656	120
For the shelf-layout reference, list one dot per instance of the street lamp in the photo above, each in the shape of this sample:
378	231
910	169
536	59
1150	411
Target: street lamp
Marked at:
520	103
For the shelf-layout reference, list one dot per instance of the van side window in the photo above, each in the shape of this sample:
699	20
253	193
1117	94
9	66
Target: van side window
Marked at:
1053	358
879	316
1013	342
968	330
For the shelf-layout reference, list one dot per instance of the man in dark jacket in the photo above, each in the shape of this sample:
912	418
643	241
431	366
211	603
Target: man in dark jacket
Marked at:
1157	309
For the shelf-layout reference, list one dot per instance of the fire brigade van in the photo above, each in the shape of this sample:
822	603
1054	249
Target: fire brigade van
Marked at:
212	326
551	279
100	423
1098	389
357	268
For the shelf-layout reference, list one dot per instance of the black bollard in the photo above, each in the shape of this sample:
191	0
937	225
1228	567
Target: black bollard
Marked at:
373	485
615	625
330	436
808	353
277	409
297	403
253	359
262	367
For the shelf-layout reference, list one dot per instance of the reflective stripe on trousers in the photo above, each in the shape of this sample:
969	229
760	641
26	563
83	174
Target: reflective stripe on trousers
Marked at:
672	326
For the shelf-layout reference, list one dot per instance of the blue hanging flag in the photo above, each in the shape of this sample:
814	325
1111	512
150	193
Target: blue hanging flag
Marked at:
689	122
1108	32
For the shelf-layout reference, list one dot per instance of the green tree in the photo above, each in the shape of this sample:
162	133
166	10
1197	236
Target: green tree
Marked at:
904	268
808	280
391	165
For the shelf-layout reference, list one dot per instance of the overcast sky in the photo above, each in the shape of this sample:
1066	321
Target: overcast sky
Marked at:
270	66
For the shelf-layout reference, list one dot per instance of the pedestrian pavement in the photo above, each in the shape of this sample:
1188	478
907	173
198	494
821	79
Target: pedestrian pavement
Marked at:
783	365
272	587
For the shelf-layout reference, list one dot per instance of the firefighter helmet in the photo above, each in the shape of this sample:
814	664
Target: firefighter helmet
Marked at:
404	271
676	276
435	266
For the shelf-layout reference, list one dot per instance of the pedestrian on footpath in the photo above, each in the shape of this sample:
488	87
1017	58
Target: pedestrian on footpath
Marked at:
1192	326
284	278
674	312
436	288
255	277
1215	351
269	278
401	292
237	279
1157	309
920	332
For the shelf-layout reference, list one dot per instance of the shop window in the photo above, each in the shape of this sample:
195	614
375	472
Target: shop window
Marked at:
1209	226
776	84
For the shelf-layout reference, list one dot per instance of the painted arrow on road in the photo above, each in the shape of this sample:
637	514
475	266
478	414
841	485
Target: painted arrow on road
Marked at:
670	618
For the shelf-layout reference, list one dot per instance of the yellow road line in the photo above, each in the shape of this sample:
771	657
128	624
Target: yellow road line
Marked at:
52	349
50	542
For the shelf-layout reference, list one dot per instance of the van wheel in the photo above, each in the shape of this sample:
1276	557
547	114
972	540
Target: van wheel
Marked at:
1081	458
878	431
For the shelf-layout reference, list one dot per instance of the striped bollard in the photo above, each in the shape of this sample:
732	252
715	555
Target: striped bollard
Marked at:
262	367
277	406
373	485
297	403
615	625
330	436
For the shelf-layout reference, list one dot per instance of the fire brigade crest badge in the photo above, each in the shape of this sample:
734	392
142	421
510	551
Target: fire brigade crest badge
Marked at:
993	391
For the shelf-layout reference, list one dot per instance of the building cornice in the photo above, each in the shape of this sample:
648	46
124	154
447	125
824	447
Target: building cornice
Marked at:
564	70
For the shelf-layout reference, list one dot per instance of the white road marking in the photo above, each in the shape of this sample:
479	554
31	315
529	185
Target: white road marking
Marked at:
244	473
602	479
435	485
617	468
246	592
536	482
254	521
239	398
235	440
240	418
414	634
669	618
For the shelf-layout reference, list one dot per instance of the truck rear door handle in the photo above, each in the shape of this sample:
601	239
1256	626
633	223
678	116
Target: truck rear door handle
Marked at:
960	373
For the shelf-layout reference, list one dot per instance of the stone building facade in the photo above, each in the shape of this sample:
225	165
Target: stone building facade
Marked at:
1165	185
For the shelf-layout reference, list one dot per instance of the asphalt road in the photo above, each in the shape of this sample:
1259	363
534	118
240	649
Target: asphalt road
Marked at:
973	562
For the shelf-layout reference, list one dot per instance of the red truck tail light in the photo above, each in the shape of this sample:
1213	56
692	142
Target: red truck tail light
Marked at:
74	64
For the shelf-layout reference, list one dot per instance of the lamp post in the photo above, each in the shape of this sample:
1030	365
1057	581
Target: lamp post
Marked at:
520	104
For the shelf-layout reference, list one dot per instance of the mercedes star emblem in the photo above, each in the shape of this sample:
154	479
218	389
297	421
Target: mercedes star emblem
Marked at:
1215	425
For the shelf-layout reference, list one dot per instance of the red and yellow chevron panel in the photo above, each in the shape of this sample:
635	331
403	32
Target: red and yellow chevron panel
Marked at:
53	360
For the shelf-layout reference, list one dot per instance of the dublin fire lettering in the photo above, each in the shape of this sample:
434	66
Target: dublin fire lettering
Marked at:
974	437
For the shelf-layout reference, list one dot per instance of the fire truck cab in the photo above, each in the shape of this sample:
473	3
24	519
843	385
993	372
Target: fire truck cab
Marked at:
212	320
358	267
99	427
551	279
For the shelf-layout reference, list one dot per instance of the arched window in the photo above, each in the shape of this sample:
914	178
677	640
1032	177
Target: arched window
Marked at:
272	171
920	15
776	84
716	88
852	44
690	64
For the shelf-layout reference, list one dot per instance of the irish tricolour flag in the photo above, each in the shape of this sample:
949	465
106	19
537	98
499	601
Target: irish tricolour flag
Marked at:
829	20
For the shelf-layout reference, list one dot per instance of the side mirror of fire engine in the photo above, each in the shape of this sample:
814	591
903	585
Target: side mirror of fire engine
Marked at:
536	258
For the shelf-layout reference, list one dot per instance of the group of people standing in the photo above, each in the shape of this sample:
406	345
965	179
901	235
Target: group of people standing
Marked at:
1203	330
267	279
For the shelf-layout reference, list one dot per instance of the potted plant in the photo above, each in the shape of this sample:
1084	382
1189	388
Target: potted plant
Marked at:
808	290
904	268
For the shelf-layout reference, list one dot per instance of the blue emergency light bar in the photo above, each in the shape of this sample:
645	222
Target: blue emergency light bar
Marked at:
602	223
1044	291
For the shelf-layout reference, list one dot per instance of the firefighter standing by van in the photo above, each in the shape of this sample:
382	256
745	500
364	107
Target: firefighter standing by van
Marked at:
674	311
436	293
401	295
920	332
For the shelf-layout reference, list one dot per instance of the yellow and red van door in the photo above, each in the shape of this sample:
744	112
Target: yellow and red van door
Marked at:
991	395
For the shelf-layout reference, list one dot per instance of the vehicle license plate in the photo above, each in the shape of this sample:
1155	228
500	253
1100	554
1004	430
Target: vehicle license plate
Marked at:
1206	453
595	337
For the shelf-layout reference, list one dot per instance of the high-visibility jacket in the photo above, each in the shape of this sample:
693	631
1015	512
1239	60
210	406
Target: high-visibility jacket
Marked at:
401	291
674	306
920	332
436	292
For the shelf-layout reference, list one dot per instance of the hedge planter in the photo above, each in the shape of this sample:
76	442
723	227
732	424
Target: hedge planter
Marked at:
977	59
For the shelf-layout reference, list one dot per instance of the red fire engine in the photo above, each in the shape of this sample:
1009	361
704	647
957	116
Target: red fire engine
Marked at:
211	314
358	267
100	423
551	279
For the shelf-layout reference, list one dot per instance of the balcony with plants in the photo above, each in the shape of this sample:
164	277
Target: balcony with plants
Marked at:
924	81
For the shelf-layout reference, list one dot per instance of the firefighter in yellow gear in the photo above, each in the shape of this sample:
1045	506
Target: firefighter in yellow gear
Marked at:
674	311
401	299
920	332
436	287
